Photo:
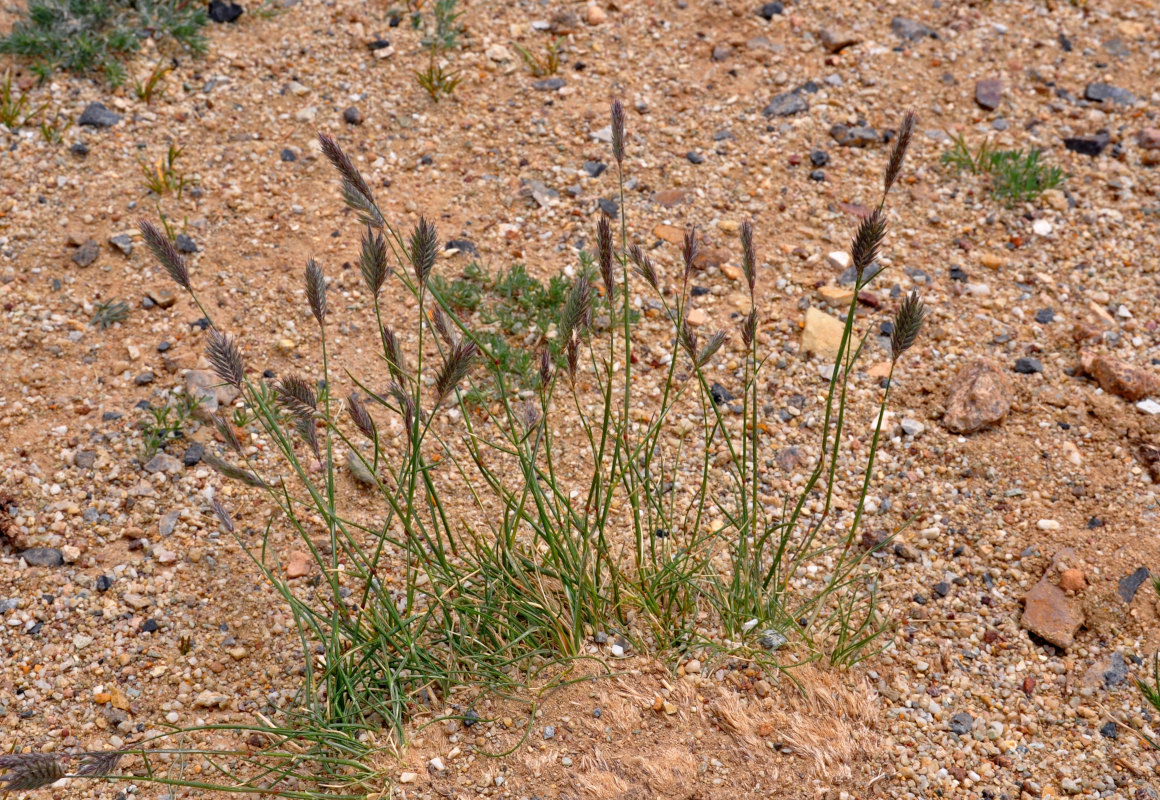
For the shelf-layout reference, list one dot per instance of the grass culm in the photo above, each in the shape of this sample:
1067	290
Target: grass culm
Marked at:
482	548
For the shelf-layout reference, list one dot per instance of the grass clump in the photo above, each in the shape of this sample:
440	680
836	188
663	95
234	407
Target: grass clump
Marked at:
167	423
442	32
1016	176
163	176
109	313
15	109
479	551
97	37
545	65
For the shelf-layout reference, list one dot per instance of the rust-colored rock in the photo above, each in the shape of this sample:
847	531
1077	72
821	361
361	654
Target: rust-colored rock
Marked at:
299	564
1051	615
1072	580
1121	378
979	397
669	197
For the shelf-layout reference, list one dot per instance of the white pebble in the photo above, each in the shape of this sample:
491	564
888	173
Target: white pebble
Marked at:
1048	525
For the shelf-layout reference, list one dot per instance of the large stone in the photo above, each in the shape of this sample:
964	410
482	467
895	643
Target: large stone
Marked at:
979	397
1102	92
43	557
205	386
836	41
96	115
1091	145
822	334
786	105
162	462
989	93
1121	378
1050	615
911	30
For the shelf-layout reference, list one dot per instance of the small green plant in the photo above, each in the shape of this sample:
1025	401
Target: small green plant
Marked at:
442	35
53	130
1016	176
93	37
154	83
542	66
15	109
109	313
162	176
438	82
166	423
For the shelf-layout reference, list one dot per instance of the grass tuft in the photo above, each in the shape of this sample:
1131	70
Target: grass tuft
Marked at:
97	37
1016	176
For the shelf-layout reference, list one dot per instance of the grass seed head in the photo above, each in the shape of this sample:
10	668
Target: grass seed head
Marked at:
25	772
907	324
372	261
226	359
165	253
424	249
316	291
604	248
618	132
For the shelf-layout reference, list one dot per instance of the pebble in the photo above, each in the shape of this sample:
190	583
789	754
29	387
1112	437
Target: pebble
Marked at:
96	115
222	11
989	93
87	253
770	10
1051	615
548	85
1130	584
979	397
123	242
1028	366
911	30
1119	377
822	334
299	565
856	136
786	105
352	116
961	723
42	557
1091	145
1072	580
837	41
1101	92
162	462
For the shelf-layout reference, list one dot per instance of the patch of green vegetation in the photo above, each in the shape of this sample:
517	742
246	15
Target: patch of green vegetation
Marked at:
109	313
442	34
91	37
512	304
1016	176
167	423
15	109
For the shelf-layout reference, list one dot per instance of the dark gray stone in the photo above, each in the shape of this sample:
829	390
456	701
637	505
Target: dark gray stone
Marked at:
85	459
1101	92
770	10
786	105
43	557
1129	584
1117	671
989	93
1091	145
1028	366
595	168
911	30
96	115
193	454
549	85
123	242
961	723
87	253
185	243
462	245
352	116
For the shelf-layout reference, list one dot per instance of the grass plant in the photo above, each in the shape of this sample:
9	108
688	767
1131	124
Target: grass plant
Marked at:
500	540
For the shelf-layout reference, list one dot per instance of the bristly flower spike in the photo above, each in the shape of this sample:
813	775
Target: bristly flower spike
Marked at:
604	248
867	241
316	291
424	249
898	152
355	192
618	132
165	253
749	257
642	265
689	250
907	324
226	359
372	261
